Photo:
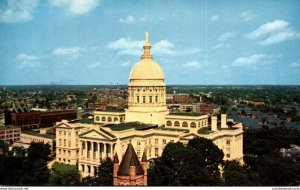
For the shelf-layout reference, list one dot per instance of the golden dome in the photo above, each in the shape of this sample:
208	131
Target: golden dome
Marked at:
146	68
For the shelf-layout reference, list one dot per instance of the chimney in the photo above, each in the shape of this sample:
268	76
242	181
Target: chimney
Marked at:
214	123
223	121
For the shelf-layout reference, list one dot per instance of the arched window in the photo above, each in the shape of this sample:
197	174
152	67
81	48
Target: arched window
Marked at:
177	124
115	119
184	124
193	125
103	118
109	119
169	123
97	118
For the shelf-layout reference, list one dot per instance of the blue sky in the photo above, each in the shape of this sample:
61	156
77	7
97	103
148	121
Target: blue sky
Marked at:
195	42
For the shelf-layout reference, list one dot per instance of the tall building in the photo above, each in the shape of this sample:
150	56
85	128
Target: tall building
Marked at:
147	90
147	125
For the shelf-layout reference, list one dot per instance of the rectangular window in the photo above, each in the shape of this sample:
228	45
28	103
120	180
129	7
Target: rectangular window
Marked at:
65	142
144	99
228	142
150	99
156	141
164	141
172	141
156	151
227	155
149	152
138	143
138	99
156	99
69	134
69	143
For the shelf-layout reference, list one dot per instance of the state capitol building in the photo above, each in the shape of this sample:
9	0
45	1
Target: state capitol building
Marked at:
147	125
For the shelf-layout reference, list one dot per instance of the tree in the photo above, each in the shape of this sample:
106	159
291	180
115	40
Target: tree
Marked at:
236	175
195	164
276	170
38	151
64	175
104	176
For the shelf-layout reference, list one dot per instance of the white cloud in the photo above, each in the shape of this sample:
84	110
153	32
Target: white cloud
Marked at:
192	64
74	51
163	47
93	65
26	57
17	11
76	7
261	59
275	32
28	61
218	46
295	64
214	18
270	27
125	64
30	65
226	36
248	15
280	37
128	20
127	46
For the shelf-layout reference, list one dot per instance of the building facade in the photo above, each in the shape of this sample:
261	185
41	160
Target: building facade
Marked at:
148	125
38	119
10	133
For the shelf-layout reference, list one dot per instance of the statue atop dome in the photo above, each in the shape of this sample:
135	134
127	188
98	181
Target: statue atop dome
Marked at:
147	47
147	36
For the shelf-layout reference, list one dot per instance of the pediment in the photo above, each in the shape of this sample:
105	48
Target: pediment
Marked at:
63	125
189	136
95	134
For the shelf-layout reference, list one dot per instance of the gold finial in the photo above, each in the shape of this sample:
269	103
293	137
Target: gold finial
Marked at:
147	36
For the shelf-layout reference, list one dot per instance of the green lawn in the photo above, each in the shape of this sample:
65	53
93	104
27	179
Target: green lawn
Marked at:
64	168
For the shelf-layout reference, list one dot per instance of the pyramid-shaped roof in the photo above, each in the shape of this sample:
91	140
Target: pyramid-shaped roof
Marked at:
130	159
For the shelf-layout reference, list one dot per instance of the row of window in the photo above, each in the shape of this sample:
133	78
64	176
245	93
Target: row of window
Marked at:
87	168
144	99
185	124
10	131
65	143
164	141
109	119
64	133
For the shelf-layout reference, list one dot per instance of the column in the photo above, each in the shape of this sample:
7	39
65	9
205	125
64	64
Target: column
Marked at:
105	153
99	151
85	149
112	151
92	144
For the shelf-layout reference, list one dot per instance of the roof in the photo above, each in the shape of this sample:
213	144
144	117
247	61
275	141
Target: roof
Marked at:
49	136
130	159
83	121
130	125
187	114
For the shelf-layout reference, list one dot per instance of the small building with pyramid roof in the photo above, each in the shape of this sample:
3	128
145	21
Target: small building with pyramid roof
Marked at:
131	171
